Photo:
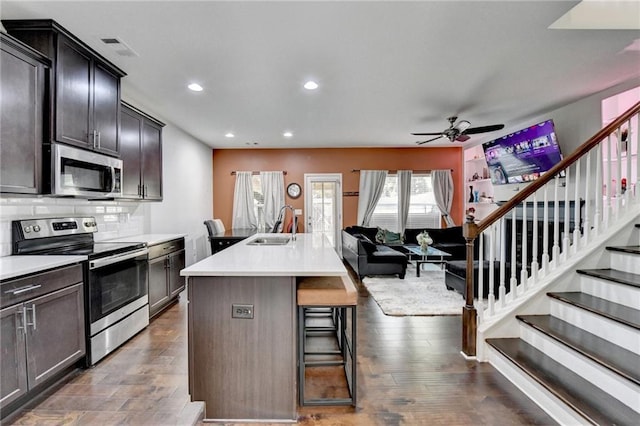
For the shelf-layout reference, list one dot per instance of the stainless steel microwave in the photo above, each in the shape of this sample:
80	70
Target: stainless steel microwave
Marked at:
81	173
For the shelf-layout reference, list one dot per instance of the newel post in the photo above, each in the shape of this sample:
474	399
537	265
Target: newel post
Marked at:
469	315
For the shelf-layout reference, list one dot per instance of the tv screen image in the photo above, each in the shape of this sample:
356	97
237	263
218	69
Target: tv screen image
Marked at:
523	156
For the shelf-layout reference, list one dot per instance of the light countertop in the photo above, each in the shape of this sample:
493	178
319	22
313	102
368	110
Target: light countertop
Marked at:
15	266
308	255
148	239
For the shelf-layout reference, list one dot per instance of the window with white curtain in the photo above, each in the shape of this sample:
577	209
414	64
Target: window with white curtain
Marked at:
423	211
258	199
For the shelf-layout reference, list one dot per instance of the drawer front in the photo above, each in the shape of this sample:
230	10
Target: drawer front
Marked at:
166	248
22	289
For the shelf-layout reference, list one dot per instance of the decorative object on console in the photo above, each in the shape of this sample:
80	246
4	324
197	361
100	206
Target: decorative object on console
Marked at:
471	194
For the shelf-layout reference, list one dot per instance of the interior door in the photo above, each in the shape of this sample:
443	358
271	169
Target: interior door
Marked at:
323	206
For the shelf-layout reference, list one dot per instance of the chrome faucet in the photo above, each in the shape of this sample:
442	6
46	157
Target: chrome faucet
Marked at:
293	219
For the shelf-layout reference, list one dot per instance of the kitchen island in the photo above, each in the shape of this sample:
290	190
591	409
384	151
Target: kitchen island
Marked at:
242	325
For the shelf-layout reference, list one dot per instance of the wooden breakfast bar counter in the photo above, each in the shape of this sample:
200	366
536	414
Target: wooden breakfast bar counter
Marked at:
242	325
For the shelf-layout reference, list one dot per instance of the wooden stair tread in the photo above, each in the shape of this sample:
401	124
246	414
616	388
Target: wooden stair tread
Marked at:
595	405
614	311
605	353
625	249
614	275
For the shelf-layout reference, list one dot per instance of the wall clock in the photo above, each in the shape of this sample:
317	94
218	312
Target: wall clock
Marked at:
294	190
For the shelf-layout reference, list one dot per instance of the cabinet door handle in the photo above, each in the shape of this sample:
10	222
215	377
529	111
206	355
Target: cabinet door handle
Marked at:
98	133
169	248
20	323
93	134
33	317
21	290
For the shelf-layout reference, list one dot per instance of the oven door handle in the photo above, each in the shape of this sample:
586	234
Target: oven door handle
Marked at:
99	263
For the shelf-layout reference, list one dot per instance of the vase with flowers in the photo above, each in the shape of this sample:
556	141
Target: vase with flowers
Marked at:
424	240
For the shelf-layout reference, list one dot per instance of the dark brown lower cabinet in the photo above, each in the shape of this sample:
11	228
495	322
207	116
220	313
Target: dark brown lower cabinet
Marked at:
43	334
166	260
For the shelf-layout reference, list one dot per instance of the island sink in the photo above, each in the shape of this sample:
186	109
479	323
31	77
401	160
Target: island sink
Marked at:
270	241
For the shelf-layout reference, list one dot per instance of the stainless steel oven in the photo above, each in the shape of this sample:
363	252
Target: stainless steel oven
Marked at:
81	173
115	277
118	300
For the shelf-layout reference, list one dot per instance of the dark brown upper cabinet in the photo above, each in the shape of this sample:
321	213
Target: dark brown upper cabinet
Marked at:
141	154
23	84
85	105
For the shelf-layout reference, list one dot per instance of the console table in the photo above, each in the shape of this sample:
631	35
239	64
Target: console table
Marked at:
229	237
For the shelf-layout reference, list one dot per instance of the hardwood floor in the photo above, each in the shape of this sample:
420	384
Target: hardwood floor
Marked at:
410	373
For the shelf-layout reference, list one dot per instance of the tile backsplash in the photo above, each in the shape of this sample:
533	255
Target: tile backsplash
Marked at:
114	218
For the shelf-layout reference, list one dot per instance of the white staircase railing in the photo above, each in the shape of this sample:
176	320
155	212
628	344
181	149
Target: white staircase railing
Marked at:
550	221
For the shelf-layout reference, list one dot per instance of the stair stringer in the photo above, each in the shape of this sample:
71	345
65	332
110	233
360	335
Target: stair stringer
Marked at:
563	278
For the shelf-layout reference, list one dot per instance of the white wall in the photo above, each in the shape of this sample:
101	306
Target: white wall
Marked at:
187	192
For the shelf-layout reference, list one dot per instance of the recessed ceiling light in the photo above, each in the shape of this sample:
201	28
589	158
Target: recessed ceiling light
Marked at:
229	135
195	87
311	85
287	134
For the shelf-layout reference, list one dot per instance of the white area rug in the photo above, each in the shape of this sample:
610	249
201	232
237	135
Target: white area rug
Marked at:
426	295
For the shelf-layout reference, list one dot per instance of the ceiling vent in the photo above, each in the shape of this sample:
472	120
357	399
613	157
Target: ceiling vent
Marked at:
119	47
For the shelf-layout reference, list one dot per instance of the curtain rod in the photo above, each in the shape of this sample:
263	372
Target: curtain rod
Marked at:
395	171
284	172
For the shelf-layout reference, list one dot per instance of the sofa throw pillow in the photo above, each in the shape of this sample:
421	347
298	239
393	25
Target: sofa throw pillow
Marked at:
384	236
392	237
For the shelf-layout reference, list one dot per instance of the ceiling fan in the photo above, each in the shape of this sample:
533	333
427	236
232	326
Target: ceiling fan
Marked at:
459	131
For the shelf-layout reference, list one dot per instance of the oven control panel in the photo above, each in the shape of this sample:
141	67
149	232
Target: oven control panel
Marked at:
42	228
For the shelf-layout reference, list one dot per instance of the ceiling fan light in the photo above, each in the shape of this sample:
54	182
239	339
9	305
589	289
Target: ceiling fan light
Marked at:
463	125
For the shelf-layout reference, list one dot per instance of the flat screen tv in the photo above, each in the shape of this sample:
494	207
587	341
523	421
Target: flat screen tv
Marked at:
523	156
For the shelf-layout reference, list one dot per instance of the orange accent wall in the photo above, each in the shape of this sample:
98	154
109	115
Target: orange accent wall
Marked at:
297	162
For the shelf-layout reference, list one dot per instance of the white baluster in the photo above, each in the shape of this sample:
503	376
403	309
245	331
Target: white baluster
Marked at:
600	193
492	256
629	159
606	208
617	190
525	244
586	224
545	233
636	145
566	240
503	259
480	242
555	257
534	245
576	209
513	282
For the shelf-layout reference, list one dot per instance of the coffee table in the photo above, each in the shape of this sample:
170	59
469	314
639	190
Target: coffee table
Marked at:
425	257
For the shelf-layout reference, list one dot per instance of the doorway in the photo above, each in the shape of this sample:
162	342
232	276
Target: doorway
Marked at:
323	206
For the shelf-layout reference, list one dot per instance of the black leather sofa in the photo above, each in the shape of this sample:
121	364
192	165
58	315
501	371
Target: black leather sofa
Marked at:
368	257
